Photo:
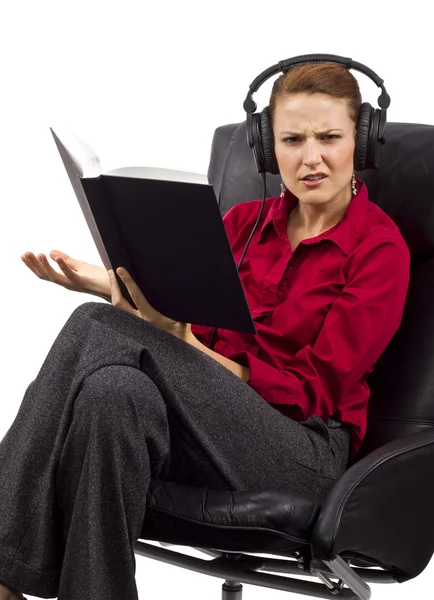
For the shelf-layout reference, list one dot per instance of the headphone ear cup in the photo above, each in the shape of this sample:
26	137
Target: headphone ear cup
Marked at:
257	147
268	143
375	143
364	124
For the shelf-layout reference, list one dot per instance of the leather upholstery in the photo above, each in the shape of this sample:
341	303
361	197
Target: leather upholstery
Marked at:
402	384
382	506
380	511
265	520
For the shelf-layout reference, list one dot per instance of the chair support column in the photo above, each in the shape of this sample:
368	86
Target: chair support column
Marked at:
232	590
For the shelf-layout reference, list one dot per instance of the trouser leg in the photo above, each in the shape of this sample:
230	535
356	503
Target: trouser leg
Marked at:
220	433
224	434
118	436
32	531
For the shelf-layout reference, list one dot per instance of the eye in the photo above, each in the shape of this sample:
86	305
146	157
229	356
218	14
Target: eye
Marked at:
290	140
333	135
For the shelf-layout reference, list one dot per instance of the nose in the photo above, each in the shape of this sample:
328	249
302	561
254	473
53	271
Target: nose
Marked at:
311	153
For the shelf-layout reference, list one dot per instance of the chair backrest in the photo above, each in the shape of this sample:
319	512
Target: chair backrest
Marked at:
402	383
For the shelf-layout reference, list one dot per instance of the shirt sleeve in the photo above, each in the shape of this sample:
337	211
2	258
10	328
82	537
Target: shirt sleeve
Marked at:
357	328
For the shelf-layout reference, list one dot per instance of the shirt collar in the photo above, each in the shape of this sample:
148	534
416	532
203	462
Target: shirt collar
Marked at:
345	233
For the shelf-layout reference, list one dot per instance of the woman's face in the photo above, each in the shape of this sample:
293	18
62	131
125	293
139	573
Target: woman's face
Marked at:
313	133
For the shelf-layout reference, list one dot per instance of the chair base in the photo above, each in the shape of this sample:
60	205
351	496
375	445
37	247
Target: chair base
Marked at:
235	568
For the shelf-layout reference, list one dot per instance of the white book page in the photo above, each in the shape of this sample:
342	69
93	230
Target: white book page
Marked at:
73	169
159	173
85	160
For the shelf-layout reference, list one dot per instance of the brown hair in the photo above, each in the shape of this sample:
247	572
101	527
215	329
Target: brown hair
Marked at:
322	78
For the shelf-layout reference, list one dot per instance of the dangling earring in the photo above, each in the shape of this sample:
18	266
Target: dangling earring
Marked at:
282	189
353	185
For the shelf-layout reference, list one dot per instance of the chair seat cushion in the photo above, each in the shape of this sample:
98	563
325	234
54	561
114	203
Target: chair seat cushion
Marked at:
263	521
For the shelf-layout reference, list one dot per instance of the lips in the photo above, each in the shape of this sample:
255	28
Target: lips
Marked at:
306	177
313	183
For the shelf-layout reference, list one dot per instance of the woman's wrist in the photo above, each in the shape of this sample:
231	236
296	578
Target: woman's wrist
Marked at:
238	370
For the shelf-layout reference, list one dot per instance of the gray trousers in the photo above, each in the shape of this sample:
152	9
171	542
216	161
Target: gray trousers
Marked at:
116	402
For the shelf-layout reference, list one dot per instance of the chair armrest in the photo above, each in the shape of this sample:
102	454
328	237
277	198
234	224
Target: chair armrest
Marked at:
382	507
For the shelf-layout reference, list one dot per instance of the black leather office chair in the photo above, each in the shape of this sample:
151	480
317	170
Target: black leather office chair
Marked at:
377	522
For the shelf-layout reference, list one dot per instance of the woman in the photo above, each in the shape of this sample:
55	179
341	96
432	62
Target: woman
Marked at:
127	395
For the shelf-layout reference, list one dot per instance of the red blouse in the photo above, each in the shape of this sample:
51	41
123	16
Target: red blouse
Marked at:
324	313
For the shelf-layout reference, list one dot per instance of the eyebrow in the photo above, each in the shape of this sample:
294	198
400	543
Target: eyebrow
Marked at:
320	133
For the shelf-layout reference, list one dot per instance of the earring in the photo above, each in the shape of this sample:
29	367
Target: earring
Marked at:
282	189
353	185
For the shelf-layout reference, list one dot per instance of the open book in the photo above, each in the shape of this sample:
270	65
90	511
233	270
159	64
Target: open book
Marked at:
165	228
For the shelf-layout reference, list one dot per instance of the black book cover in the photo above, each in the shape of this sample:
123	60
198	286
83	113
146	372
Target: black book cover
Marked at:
170	237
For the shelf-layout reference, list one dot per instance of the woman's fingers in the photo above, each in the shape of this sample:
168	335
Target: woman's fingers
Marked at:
34	264
136	294
71	262
55	253
50	273
54	275
131	286
42	268
117	299
69	273
48	269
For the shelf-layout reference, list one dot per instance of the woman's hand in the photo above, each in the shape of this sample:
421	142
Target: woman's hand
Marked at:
181	330
78	276
145	310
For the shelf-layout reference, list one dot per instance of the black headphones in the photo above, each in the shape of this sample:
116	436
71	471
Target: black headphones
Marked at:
371	123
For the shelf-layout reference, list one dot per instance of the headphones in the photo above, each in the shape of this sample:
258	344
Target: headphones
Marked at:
371	123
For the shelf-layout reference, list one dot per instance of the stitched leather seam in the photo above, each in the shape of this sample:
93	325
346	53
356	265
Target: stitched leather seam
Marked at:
404	420
229	527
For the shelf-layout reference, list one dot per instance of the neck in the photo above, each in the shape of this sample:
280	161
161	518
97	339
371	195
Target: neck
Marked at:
314	219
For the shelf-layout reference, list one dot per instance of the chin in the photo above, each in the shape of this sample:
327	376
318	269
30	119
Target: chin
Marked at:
314	191
315	196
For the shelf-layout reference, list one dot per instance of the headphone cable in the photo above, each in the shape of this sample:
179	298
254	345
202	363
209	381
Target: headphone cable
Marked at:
264	195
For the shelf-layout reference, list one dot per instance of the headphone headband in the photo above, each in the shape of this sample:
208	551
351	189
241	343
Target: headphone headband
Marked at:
284	66
379	117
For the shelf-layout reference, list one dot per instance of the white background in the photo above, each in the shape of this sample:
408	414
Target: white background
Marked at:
148	83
